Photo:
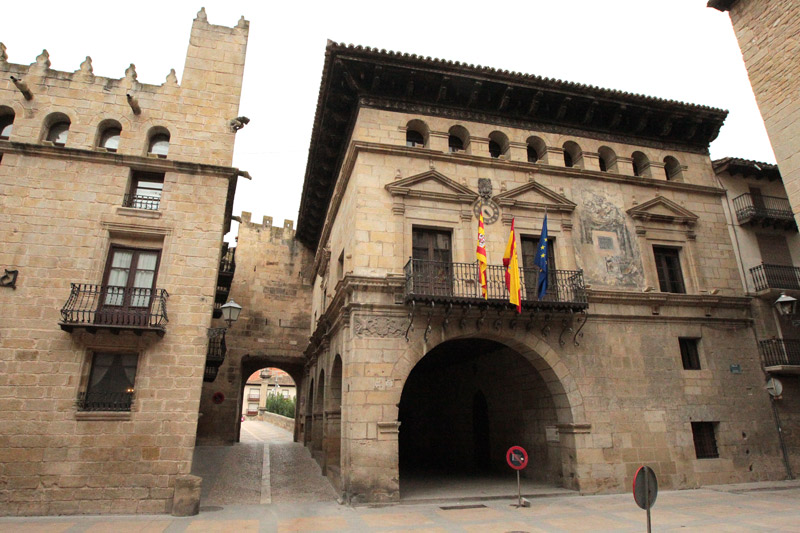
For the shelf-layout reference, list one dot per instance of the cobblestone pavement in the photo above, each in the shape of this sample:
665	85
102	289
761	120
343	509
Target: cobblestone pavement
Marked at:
702	510
282	490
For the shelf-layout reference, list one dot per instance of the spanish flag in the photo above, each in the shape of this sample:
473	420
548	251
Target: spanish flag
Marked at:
511	263
480	253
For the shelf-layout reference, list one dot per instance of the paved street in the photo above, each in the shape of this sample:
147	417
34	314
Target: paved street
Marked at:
267	483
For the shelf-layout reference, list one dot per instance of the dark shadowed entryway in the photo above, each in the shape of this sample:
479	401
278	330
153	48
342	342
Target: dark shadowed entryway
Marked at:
463	405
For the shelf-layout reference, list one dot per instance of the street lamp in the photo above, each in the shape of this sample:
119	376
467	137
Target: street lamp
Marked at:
786	305
230	312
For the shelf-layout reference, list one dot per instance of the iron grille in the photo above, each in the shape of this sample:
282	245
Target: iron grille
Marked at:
705	442
115	307
777	352
764	208
105	401
210	374
217	349
141	202
775	277
227	265
459	282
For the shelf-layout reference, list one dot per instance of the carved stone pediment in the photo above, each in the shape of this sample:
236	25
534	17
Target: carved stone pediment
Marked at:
432	185
535	196
660	209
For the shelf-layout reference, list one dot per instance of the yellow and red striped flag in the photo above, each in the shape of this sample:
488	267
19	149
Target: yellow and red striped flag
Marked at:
511	263
480	253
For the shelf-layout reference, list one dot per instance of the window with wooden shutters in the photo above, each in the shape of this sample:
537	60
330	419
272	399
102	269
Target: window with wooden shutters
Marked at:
705	440
668	266
530	247
432	261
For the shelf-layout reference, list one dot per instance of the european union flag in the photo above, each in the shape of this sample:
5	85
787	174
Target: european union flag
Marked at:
541	261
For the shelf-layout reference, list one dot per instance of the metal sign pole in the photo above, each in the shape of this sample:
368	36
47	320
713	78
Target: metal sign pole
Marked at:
647	498
519	492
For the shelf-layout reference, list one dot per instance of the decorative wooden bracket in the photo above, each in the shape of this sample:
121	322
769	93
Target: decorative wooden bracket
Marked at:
9	279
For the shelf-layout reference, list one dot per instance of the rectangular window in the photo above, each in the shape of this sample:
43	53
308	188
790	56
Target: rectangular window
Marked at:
254	394
689	353
128	287
668	266
252	409
111	383
705	441
530	247
146	188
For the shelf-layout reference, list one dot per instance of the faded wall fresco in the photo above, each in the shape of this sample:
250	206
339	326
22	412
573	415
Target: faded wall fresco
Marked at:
607	249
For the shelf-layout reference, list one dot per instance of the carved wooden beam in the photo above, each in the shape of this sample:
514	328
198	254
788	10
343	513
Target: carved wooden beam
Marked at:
473	97
667	127
615	121
691	130
410	86
642	124
535	101
587	118
505	99
376	77
562	109
442	89
348	78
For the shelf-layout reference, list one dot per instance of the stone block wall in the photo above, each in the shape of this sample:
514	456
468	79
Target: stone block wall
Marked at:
767	35
272	285
61	211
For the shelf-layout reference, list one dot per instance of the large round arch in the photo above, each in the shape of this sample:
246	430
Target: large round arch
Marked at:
467	400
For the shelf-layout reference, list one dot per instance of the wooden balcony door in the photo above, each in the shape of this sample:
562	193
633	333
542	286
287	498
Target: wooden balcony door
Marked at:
530	271
129	284
433	262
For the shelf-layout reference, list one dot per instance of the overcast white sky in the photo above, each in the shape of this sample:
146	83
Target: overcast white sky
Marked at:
675	49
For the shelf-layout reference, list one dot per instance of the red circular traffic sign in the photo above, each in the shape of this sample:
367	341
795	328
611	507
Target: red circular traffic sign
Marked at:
645	487
517	457
218	398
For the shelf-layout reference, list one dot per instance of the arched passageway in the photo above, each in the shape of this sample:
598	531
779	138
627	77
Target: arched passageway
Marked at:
463	405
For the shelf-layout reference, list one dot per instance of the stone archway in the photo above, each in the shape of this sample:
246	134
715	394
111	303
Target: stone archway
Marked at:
333	423
468	399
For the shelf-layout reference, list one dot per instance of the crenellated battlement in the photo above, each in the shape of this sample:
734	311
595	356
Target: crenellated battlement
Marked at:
200	114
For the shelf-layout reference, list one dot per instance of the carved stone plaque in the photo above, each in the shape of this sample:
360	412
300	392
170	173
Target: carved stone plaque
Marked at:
379	326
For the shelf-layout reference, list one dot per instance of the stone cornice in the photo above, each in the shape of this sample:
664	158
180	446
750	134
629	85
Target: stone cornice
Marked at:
599	296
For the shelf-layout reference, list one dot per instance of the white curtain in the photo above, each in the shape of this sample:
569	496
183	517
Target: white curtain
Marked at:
143	279
118	276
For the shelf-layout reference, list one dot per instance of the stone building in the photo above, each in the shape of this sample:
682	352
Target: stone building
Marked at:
114	198
767	34
767	243
642	350
263	383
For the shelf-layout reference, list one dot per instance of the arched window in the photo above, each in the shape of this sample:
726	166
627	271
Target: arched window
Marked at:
573	156
159	143
57	129
641	165
110	131
672	169
536	149
416	134
607	159
498	144
6	122
458	139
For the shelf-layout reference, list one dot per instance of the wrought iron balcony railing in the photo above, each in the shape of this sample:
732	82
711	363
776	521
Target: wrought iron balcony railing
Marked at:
115	308
780	352
775	277
105	401
210	374
458	283
763	209
217	349
141	202
266	374
227	265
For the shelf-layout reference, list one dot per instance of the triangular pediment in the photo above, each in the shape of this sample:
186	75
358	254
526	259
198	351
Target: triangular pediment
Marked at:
535	196
432	185
661	209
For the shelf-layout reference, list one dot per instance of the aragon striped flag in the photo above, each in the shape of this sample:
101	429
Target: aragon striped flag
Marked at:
511	262
480	253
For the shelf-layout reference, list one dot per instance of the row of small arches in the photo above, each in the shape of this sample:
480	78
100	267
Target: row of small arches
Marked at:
417	134
56	131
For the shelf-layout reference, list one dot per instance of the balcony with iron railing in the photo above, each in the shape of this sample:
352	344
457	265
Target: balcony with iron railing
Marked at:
94	307
105	401
227	268
442	282
141	202
775	277
765	210
780	355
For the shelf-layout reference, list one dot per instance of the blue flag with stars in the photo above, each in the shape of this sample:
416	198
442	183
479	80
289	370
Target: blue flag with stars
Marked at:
541	261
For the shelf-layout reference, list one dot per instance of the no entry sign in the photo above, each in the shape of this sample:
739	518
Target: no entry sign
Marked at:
517	457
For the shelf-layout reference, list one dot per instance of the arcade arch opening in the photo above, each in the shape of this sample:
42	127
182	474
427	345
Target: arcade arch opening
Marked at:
463	405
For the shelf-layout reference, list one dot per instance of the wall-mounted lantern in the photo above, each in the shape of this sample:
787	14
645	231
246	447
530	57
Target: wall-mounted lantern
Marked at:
230	312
